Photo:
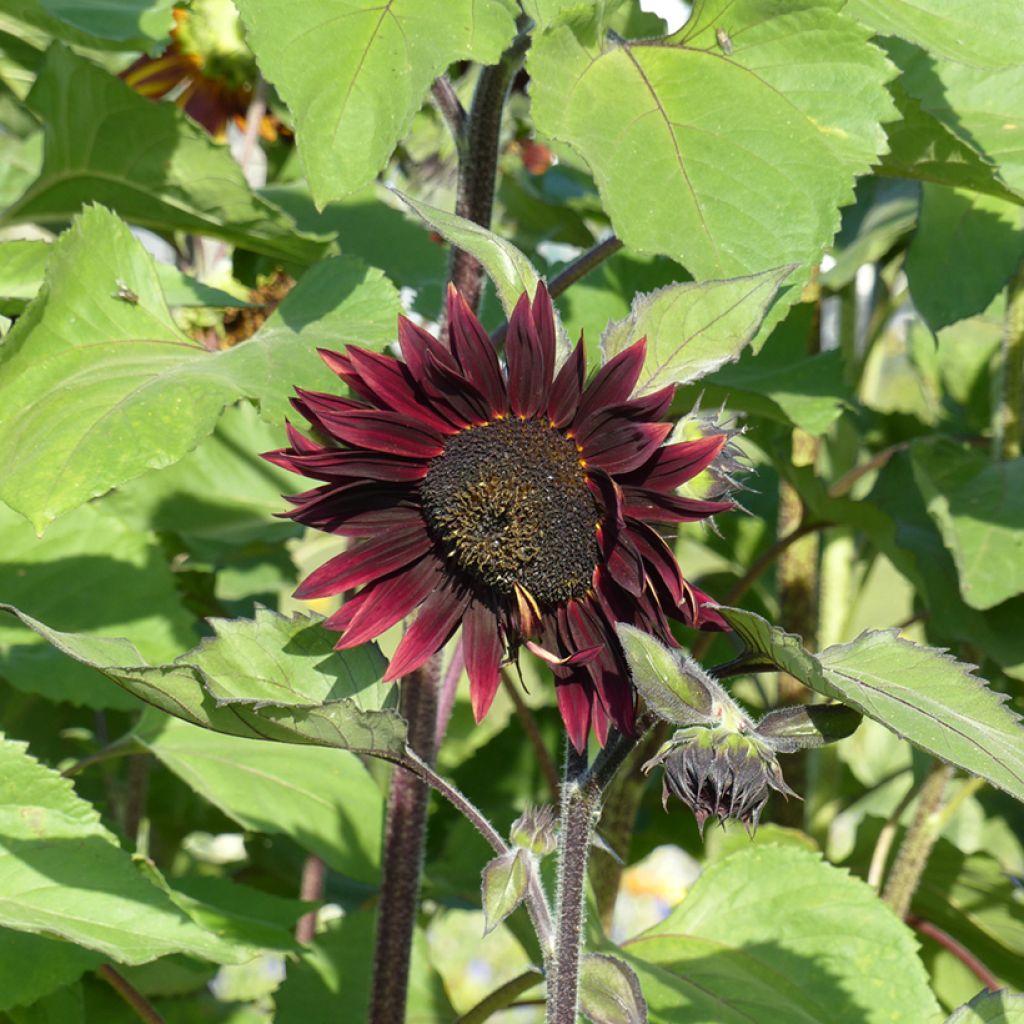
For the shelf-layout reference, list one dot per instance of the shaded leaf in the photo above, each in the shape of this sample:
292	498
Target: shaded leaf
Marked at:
503	886
775	935
990	1008
123	25
63	874
920	693
295	686
106	144
693	329
379	62
32	966
715	134
610	991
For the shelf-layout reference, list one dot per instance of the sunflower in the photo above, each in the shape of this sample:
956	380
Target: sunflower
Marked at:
521	503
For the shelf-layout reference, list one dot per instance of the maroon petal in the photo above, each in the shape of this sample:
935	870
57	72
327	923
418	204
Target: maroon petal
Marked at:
299	441
390	432
609	497
643	503
647	407
614	382
622	445
451	391
626	566
483	657
474	352
662	567
529	380
367	561
383	603
599	722
370	521
707	617
564	401
415	343
676	463
339	464
590	627
574	705
544	321
438	619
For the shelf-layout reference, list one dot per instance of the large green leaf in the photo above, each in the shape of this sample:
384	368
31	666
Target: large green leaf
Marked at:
966	248
323	799
978	505
775	935
991	1008
693	329
354	72
105	143
63	874
32	966
127	391
920	693
120	25
92	573
272	678
745	156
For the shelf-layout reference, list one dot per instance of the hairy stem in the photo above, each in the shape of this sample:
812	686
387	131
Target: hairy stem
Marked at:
1010	408
405	831
311	889
883	845
919	840
451	109
579	806
501	998
130	994
478	166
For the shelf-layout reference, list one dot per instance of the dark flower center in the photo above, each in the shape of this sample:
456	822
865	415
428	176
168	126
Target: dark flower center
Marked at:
509	503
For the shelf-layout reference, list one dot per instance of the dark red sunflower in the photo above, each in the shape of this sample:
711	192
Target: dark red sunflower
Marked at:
521	503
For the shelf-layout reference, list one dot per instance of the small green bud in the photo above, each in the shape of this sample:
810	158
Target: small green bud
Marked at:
534	830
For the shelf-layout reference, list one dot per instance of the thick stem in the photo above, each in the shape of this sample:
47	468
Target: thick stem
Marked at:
1010	408
917	844
479	164
405	832
311	889
579	805
501	998
131	995
451	109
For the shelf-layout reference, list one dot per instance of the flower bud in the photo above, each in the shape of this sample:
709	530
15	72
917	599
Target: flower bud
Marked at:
534	830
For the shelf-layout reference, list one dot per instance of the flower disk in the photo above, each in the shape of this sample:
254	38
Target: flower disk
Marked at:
515	501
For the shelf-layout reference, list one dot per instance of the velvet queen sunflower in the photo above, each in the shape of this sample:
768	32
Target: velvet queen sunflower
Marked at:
520	502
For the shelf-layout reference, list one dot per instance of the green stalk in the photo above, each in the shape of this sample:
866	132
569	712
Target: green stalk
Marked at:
1006	435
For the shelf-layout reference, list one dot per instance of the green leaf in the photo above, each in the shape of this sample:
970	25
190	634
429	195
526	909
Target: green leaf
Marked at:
947	287
64	1006
62	874
714	135
610	991
32	966
121	25
693	329
669	681
282	680
808	725
775	935
978	505
361	71
503	886
91	574
323	799
920	693
335	971
990	1008
105	143
136	375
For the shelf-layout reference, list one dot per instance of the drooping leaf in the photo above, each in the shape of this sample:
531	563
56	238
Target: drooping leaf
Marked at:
323	799
105	143
978	505
281	681
947	287
32	966
610	991
503	886
91	574
693	329
776	935
135	373
63	874
990	1008
354	69
920	693
713	135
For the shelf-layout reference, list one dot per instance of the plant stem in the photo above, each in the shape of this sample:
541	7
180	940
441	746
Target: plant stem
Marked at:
579	806
1006	437
530	727
451	109
479	164
960	951
501	998
131	995
880	854
311	889
917	844
584	264
405	832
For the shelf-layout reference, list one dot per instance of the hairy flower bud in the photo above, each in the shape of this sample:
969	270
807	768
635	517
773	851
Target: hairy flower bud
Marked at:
534	830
